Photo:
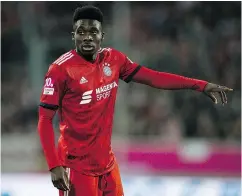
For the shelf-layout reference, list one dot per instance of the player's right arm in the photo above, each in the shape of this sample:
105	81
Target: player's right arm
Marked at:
53	90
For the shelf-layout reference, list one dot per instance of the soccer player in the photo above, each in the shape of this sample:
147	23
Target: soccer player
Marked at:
82	85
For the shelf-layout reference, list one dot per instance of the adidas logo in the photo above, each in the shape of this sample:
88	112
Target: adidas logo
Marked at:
83	80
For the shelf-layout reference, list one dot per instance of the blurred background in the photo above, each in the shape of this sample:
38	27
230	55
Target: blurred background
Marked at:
167	142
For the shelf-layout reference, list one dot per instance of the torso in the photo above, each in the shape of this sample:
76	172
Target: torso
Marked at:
87	111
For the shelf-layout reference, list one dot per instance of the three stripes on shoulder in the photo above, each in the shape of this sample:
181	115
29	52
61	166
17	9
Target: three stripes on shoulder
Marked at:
63	58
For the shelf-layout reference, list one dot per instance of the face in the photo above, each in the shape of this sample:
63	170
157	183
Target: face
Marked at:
88	36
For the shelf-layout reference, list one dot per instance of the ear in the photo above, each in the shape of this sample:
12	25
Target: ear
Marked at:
72	35
103	36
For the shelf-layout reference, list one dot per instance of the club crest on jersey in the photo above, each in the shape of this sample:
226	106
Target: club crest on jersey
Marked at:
106	69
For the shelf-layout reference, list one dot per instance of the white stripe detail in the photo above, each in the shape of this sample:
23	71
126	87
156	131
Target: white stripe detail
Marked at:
64	60
87	93
87	97
85	101
100	50
62	57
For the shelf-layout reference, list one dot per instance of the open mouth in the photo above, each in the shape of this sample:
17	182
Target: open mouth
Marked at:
87	47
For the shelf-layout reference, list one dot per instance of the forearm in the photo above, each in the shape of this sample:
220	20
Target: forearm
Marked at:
167	81
47	138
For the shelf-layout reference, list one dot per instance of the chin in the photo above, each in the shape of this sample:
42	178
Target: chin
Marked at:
87	53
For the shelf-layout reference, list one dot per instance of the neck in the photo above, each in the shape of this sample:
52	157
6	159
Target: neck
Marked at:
90	58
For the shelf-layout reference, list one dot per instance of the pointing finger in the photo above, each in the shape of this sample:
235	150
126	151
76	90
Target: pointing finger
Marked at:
227	89
222	88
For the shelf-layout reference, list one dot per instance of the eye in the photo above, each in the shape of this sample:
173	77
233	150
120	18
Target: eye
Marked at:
80	32
94	32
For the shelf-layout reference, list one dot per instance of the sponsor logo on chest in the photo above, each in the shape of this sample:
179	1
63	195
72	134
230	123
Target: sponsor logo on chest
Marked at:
106	88
103	92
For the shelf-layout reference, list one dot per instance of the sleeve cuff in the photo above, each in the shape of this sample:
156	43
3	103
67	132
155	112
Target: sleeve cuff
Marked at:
130	77
53	164
201	85
49	106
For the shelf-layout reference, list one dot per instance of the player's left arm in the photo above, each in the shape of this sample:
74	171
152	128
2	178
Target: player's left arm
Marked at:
131	71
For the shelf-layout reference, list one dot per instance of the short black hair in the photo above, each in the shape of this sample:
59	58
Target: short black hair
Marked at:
88	12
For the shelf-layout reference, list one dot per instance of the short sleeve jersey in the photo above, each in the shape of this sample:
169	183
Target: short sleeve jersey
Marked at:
84	94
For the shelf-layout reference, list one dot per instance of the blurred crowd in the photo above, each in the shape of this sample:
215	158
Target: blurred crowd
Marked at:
194	39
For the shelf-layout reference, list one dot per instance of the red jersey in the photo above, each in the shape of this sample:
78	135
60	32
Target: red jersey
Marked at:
85	95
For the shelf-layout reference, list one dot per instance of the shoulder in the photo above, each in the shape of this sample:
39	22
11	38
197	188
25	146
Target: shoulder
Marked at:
112	53
58	65
109	50
64	59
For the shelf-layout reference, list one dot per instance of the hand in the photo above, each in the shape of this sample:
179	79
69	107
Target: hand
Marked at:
59	178
210	90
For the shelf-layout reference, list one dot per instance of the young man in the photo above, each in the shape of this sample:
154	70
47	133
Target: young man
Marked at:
82	85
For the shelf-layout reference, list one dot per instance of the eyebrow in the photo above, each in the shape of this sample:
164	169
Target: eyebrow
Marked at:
94	28
83	27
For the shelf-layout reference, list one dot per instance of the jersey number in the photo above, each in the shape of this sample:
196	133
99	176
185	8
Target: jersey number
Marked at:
48	82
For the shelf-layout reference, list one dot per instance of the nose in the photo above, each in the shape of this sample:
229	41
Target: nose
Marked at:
88	38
